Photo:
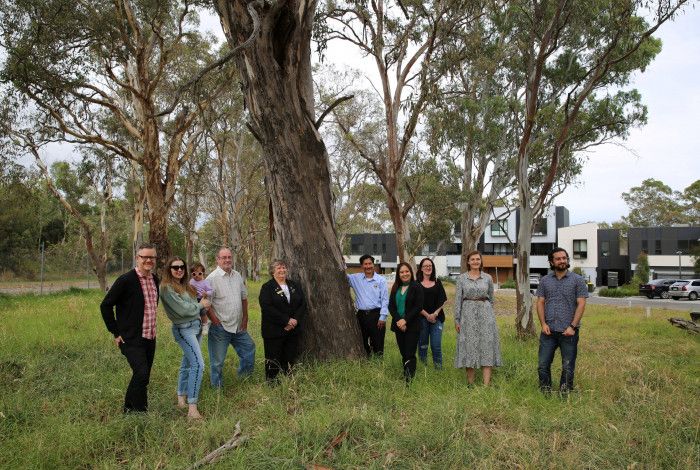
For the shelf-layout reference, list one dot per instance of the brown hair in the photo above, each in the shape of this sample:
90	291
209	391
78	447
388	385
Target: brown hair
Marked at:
419	270
472	253
198	266
397	279
178	285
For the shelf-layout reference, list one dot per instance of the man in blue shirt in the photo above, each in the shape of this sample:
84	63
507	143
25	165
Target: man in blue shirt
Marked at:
561	300
372	303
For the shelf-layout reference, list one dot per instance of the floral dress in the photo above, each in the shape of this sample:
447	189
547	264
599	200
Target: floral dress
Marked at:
478	344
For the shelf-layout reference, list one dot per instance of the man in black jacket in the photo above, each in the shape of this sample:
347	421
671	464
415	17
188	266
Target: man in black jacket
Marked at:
135	296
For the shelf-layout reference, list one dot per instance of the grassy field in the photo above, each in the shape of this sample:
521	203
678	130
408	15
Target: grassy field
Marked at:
62	383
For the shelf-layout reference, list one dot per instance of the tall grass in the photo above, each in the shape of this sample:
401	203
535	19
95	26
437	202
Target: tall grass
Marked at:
62	383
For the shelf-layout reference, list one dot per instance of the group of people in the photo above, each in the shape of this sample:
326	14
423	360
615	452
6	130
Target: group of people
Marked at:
129	312
416	307
414	303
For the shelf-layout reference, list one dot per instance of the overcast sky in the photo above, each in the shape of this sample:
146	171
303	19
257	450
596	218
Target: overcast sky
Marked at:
665	149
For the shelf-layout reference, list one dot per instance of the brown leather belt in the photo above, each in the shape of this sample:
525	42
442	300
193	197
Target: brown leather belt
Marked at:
477	299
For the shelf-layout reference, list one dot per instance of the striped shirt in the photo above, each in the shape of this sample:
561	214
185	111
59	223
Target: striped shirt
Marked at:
560	298
228	293
150	303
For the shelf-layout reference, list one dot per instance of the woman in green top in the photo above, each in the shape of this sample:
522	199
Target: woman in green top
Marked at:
405	305
180	303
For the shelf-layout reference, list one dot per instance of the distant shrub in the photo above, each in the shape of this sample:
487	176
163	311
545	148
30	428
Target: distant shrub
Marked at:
509	284
628	290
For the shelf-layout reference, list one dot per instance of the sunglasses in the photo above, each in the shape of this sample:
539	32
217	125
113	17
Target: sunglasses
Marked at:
149	258
178	267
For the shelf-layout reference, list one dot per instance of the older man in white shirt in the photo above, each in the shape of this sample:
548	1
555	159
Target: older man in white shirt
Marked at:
229	319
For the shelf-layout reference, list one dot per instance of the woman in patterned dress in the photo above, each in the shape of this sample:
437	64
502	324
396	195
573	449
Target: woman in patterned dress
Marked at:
478	345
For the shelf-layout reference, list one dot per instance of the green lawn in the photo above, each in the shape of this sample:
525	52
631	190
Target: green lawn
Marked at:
62	383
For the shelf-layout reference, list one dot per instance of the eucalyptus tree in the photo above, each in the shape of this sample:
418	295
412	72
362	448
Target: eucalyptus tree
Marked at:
101	73
272	47
470	125
401	39
571	62
358	200
653	203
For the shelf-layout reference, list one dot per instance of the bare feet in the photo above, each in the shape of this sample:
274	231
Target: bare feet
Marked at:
181	401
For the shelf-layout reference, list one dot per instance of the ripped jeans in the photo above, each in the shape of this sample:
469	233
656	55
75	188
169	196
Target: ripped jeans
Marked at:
430	333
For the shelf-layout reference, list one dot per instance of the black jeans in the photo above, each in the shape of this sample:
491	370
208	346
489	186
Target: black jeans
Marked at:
280	355
372	336
139	352
408	344
548	346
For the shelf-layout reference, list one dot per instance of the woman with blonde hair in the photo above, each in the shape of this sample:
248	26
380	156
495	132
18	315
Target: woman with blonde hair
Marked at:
478	345
180	303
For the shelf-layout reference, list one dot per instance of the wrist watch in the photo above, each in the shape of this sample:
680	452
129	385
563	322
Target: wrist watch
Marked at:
572	326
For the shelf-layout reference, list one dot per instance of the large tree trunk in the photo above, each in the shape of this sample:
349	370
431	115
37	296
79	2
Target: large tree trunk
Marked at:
400	228
276	75
523	323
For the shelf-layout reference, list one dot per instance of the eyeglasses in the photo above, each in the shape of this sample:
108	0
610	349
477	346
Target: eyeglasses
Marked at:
178	267
148	258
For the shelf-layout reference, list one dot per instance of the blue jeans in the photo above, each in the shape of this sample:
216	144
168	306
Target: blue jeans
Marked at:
219	339
189	380
430	333
548	346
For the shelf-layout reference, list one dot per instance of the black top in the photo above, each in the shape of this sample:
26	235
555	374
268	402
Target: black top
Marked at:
414	304
434	297
127	296
276	310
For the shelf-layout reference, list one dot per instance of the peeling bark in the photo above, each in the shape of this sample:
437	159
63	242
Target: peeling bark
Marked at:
276	76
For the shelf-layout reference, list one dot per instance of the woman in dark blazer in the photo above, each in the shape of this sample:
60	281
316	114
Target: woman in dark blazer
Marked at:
405	305
283	309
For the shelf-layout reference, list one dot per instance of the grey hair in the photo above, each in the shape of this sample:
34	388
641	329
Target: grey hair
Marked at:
274	263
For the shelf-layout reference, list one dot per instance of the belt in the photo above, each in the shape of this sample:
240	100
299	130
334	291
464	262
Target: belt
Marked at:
477	299
374	310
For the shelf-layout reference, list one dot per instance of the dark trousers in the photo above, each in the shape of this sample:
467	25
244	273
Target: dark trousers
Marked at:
372	336
280	355
139	352
568	346
408	343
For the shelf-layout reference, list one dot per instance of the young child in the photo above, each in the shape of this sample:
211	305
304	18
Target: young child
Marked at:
203	289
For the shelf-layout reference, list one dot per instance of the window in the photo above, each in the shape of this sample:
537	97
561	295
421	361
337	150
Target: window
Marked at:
499	228
645	246
657	247
357	248
605	248
540	249
539	226
501	249
580	249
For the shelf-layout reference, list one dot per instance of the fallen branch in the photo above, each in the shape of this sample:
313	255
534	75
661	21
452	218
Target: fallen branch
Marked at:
215	455
685	324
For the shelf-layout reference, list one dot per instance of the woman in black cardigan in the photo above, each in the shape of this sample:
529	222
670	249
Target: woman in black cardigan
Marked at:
283	309
405	305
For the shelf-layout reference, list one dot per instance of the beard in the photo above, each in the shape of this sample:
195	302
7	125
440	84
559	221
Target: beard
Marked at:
560	267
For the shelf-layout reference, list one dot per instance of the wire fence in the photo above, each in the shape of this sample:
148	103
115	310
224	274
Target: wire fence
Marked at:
56	270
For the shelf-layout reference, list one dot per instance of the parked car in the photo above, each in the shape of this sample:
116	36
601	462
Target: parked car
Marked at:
657	288
534	282
689	289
